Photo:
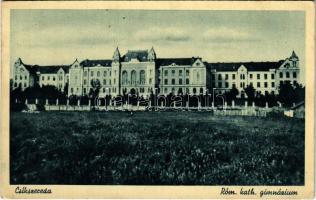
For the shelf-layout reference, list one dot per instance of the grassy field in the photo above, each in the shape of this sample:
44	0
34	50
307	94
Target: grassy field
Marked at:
162	148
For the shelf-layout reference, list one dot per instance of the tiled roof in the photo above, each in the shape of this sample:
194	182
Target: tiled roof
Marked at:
177	61
53	69
96	63
251	66
141	55
49	69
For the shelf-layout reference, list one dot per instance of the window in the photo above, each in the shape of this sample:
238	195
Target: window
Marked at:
250	76
104	74
240	84
294	63
281	75
258	76
15	84
272	76
173	72
98	73
21	77
114	72
194	90
180	72
250	83
142	77
258	84
187	72
48	77
124	77
114	81
71	90
150	71
24	84
54	78
150	81
91	73
287	74
265	84
272	84
294	74
265	76
219	77
201	90
187	91
43	78
219	84
85	82
226	85
226	76
187	81
180	81
25	77
133	77
173	81
104	81
234	76
166	90
166	72
84	90
85	73
241	77
166	81
16	77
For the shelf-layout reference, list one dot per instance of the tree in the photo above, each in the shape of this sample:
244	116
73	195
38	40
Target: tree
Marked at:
250	92
286	94
299	91
232	94
66	88
95	89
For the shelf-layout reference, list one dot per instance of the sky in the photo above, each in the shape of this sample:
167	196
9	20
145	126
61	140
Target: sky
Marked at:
48	37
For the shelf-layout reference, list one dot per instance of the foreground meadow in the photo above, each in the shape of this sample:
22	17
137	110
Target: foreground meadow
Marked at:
162	148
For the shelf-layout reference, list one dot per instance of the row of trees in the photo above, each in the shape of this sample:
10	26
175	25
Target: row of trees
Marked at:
288	94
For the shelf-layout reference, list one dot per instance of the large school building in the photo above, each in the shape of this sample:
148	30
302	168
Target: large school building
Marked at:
141	72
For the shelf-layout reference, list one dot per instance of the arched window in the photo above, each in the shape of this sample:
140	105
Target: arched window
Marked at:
180	91
142	77
201	90
194	90
104	73
287	74
124	78
133	77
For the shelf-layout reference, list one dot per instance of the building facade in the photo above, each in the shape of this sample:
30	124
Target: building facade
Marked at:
142	73
265	77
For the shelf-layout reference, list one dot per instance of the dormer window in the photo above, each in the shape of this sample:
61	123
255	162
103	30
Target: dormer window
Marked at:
198	64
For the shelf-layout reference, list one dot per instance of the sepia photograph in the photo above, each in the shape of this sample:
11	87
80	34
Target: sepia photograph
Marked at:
157	97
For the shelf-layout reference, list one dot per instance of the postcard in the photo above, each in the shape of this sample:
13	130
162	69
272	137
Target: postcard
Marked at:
169	99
